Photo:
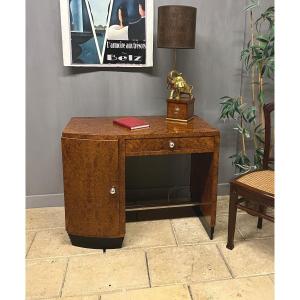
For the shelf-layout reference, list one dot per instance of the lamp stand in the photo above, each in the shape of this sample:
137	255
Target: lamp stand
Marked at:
177	30
180	107
174	59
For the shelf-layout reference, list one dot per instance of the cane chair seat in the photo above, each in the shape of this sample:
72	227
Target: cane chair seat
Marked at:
261	180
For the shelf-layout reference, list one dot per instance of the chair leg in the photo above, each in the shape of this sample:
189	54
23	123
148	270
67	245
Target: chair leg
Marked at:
232	218
259	223
262	209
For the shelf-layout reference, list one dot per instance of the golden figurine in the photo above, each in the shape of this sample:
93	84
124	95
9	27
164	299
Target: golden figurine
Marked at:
178	86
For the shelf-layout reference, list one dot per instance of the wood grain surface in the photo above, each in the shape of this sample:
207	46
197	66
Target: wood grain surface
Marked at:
90	169
180	109
103	128
161	146
94	152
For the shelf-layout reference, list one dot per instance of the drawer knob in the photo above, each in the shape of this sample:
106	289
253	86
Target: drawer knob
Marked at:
113	190
171	144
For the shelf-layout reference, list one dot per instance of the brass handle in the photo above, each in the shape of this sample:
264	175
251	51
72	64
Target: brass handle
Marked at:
113	190
171	144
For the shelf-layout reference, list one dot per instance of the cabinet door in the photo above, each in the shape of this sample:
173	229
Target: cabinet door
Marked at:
90	169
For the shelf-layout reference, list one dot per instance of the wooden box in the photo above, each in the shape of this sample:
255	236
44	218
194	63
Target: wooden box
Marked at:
181	110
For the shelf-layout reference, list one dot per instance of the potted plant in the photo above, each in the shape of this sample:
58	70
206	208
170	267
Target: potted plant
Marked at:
247	114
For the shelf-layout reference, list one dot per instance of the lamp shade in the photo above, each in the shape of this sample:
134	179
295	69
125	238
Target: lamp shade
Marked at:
176	27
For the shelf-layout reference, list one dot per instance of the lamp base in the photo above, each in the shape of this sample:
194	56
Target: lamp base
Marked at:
181	110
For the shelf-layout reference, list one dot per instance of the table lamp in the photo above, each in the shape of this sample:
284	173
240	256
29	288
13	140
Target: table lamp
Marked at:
177	30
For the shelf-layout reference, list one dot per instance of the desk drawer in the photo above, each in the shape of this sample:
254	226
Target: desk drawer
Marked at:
169	145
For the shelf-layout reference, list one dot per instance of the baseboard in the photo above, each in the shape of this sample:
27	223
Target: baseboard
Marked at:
223	189
51	200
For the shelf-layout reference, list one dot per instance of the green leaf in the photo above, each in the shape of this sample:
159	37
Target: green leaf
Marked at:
259	138
242	107
246	133
261	97
241	162
258	157
263	69
260	151
249	114
229	108
242	130
258	127
262	39
253	4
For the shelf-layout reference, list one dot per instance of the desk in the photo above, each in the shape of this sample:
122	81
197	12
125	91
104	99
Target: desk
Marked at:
94	151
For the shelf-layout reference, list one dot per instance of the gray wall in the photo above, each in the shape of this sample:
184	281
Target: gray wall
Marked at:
56	93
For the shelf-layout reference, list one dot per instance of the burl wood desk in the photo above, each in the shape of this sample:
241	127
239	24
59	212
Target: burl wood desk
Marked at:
94	151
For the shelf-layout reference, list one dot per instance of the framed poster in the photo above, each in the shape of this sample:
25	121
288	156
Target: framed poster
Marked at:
107	33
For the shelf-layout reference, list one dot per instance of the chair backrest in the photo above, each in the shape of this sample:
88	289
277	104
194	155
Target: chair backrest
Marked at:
268	109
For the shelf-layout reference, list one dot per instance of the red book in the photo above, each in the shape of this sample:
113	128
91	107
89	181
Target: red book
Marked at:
131	123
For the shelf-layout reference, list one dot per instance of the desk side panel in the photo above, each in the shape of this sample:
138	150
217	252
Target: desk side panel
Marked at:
204	180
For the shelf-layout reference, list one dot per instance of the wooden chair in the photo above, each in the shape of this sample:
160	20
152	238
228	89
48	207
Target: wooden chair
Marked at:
253	192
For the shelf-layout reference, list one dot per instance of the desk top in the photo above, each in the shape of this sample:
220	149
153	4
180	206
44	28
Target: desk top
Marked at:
104	128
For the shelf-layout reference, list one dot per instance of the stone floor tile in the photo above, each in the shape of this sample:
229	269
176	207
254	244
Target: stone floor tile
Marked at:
222	205
175	292
95	273
221	230
251	257
149	234
44	278
55	242
250	288
272	277
44	218
191	231
223	197
83	297
185	264
29	238
247	225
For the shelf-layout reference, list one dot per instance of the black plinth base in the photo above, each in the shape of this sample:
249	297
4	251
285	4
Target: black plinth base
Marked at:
96	243
208	228
212	230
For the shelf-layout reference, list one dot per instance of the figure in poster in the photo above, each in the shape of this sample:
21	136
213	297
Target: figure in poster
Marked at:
137	30
135	16
119	31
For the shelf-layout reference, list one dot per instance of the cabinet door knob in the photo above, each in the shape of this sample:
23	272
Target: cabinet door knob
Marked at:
113	190
171	144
